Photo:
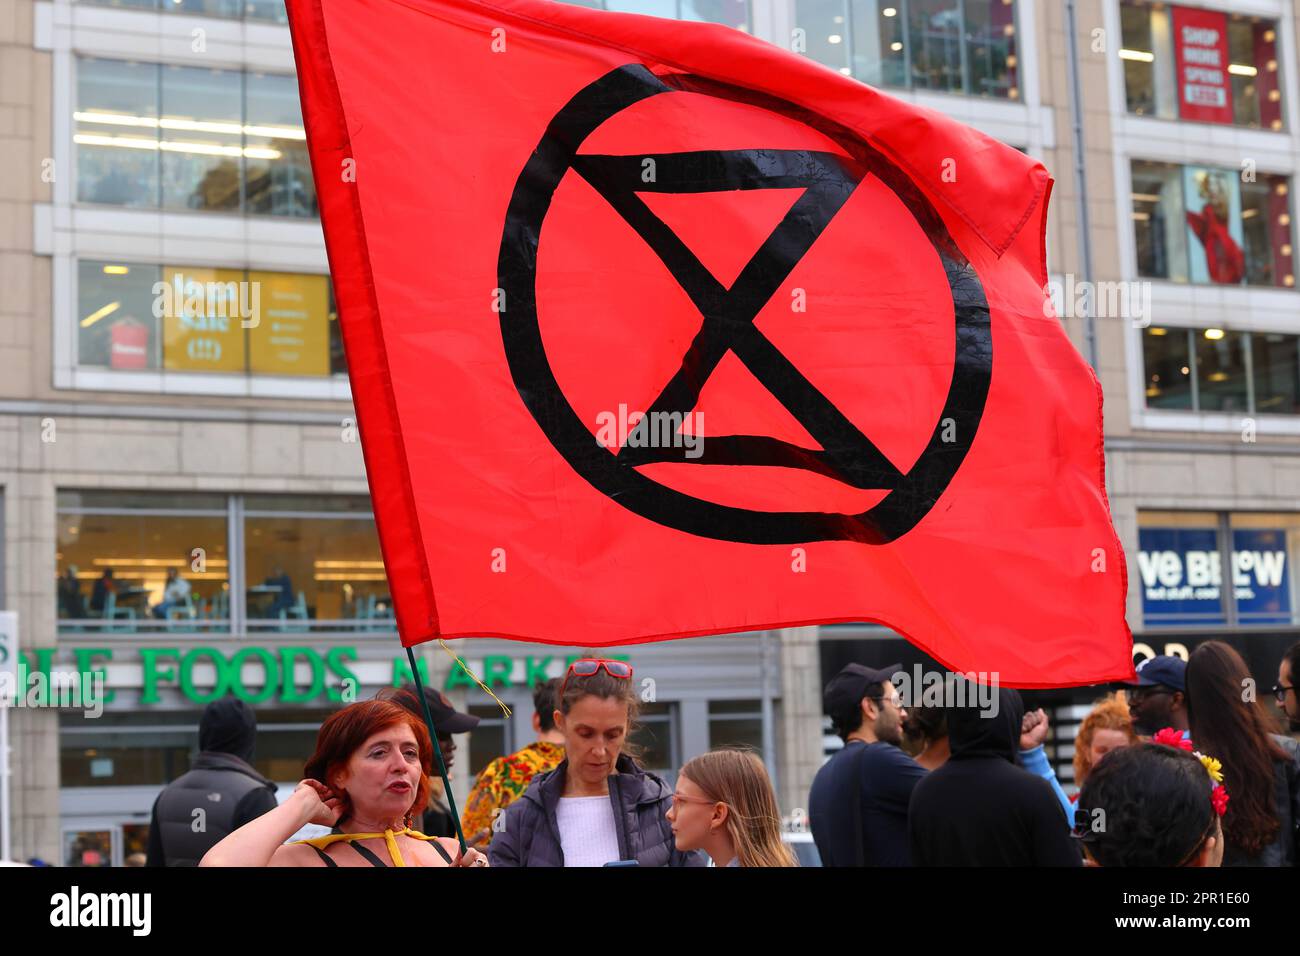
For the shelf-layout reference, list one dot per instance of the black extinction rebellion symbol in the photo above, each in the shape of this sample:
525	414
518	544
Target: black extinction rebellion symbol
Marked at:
828	179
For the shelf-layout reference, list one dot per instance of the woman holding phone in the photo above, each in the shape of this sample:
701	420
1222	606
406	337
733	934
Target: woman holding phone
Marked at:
598	807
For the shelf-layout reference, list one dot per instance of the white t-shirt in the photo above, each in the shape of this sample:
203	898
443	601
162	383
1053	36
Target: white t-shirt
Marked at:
588	831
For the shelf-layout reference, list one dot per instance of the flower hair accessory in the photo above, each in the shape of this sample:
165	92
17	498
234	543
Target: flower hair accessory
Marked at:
1169	737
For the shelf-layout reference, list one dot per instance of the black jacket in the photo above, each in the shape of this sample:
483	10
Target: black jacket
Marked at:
530	835
981	808
221	784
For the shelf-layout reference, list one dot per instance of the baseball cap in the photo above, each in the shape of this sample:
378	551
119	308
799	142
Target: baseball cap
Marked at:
844	693
1165	669
446	718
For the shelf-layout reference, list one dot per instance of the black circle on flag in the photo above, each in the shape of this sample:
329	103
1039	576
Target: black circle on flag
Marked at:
828	179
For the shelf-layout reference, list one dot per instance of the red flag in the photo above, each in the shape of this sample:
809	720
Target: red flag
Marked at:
656	330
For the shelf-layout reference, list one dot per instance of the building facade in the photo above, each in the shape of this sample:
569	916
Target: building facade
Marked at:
157	152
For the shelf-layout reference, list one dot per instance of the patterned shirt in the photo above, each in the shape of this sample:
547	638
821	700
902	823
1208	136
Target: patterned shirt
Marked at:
502	782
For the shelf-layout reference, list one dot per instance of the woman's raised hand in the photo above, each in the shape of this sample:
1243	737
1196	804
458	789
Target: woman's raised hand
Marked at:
319	803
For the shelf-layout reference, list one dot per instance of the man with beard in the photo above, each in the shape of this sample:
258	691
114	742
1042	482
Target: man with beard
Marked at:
858	804
1159	698
1288	697
981	808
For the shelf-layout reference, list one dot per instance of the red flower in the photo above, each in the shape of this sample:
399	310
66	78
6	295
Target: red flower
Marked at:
1172	738
1219	798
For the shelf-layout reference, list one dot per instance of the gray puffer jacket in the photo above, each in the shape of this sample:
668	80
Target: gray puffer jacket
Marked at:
530	835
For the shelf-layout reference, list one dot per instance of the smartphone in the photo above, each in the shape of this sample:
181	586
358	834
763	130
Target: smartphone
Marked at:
622	863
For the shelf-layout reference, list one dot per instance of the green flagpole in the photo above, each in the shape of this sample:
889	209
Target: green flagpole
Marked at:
437	750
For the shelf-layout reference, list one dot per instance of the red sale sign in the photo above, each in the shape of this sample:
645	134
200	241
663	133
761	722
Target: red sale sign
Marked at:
1201	49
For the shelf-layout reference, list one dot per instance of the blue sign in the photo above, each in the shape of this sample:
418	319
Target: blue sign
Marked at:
1182	576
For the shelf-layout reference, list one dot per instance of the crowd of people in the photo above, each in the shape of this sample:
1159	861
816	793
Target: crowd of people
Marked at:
1183	768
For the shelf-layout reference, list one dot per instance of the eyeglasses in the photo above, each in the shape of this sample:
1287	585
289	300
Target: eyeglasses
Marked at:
1279	693
678	798
588	666
1139	694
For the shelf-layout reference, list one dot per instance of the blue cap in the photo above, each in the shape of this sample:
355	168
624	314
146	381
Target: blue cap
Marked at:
1166	670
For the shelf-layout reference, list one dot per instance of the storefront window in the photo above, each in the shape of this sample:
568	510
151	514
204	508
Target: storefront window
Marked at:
1265	548
1181	560
308	570
1212	226
1198	65
161	567
116	327
736	723
1242	372
206	320
191	139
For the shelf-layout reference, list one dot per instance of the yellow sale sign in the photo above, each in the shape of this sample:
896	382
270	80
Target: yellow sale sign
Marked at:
291	336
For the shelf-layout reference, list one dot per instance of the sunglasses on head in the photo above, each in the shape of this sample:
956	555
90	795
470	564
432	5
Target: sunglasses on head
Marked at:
589	666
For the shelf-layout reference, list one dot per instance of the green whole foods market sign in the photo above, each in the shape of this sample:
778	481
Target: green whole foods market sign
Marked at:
271	675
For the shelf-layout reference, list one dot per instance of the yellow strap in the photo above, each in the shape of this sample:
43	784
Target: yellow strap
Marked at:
390	839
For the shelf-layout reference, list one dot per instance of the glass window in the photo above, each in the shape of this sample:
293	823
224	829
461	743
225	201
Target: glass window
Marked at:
1174	65
736	723
654	737
1209	225
1221	380
1159	221
1166	355
191	138
201	138
192	319
490	739
292	333
731	13
1275	361
117	132
1179	566
116	327
991	48
1138	57
1264	552
278	168
272	10
877	42
824	31
652	8
131	572
306	572
935	38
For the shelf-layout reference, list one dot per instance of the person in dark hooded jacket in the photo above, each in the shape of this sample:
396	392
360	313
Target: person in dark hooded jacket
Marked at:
981	808
221	783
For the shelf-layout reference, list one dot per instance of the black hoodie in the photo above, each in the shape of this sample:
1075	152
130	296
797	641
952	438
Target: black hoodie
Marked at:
981	808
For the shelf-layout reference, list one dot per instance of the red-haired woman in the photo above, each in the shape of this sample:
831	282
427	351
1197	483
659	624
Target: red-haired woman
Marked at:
367	779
